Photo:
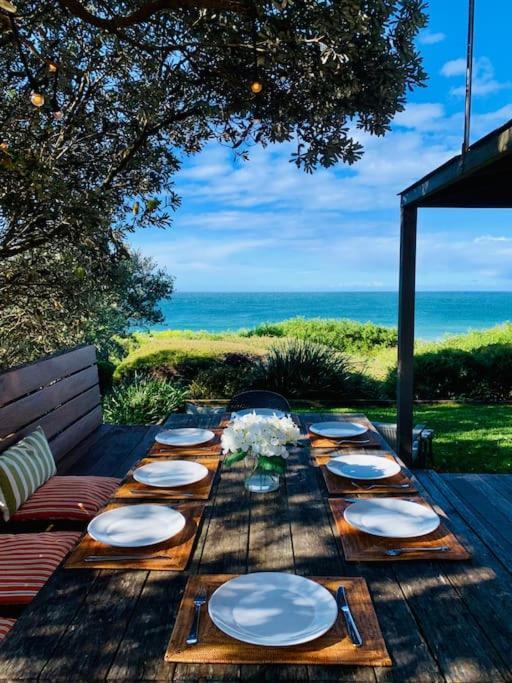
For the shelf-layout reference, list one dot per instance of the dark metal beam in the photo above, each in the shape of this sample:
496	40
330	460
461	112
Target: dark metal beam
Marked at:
489	150
406	302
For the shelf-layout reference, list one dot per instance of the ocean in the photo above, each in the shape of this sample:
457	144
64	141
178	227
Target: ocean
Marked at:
437	313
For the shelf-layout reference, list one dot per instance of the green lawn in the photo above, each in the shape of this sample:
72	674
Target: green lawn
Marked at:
468	438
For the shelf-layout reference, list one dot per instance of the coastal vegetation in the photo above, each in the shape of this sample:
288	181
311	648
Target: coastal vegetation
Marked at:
463	383
142	400
476	366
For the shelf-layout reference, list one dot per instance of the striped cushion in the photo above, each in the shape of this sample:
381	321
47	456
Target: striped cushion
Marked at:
28	560
24	467
68	498
5	626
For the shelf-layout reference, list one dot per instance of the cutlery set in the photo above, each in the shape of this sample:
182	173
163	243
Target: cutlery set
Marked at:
341	602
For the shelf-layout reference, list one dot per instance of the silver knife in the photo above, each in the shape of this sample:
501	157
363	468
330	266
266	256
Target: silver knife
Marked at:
343	606
123	558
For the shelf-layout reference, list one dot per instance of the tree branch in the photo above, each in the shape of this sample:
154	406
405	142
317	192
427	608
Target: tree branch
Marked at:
150	8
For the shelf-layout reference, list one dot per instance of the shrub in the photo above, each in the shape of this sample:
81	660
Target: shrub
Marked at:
303	369
344	335
170	364
224	379
142	400
494	367
483	373
169	355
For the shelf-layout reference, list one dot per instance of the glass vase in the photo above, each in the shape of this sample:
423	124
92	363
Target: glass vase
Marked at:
260	481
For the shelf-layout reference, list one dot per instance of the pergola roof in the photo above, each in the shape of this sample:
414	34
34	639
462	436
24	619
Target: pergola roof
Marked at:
479	178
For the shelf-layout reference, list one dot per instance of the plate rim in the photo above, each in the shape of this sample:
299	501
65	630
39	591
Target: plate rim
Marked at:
178	445
139	545
313	428
377	500
264	642
367	455
171	462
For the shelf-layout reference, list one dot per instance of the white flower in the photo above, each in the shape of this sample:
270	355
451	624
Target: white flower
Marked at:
258	435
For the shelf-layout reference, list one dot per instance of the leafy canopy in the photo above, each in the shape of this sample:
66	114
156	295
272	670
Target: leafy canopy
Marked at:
140	85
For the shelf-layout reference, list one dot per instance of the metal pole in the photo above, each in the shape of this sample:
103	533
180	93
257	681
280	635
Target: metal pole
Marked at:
406	301
469	75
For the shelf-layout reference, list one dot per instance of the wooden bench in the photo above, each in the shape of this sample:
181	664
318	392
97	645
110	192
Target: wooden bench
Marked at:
61	394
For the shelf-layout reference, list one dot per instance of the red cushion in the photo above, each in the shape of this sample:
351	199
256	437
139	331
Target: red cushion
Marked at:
5	626
28	560
67	498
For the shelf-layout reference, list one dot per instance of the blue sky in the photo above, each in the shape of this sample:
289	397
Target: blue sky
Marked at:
263	225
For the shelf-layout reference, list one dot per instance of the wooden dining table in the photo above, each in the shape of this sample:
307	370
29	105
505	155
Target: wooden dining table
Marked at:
442	621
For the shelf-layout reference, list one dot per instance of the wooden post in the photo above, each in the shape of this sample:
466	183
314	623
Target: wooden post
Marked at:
406	301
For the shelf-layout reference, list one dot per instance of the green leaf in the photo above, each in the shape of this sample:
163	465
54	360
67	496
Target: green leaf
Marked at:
234	457
276	464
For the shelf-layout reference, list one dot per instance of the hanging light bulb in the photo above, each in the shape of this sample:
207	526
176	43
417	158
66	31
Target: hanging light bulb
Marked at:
53	67
256	86
8	7
37	99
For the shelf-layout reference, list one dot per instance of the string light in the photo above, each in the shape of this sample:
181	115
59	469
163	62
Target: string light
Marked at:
7	7
256	86
58	115
37	99
53	67
4	146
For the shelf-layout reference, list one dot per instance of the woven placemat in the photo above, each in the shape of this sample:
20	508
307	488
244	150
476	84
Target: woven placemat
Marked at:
370	439
340	486
212	447
200	490
173	554
334	647
361	547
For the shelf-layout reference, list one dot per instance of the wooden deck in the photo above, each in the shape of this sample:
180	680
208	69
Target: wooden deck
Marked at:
441	621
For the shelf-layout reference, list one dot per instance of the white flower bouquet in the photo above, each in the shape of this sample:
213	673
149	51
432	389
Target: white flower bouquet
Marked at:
262	438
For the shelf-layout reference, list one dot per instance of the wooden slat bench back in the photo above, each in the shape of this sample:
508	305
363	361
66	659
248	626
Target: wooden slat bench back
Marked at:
60	393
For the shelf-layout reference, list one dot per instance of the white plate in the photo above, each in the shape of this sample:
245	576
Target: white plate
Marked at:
337	430
363	466
273	609
392	518
186	436
134	526
170	473
269	412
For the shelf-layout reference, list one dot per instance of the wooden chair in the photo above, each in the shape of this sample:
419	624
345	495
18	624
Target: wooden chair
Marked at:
258	399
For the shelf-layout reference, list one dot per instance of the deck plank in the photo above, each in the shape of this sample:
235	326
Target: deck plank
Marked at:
484	584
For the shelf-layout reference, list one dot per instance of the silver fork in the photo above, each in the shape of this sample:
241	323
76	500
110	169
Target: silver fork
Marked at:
394	552
199	601
378	486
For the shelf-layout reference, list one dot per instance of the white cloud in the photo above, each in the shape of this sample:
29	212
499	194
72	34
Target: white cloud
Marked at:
455	67
429	38
420	116
484	81
268	182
